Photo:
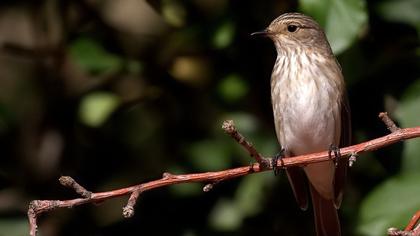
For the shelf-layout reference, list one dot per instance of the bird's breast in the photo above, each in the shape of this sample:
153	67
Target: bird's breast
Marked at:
305	104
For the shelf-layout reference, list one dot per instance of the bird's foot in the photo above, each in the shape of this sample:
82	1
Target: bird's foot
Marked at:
337	154
274	161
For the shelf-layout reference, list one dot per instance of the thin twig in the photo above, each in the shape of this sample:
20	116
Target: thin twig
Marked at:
390	124
69	182
412	228
414	221
128	210
38	207
229	127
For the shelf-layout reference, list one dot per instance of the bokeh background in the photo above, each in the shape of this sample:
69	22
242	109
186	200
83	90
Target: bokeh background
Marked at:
115	93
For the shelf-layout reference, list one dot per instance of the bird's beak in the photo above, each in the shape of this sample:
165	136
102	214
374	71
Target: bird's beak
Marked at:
264	33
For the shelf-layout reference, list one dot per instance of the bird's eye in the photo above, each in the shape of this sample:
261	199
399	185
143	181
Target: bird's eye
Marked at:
292	28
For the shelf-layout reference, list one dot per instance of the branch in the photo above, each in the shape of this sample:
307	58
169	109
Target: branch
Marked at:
412	229
388	122
229	128
38	207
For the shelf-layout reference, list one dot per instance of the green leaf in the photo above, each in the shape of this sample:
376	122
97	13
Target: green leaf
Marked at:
317	9
95	108
245	122
14	226
412	93
406	11
390	205
249	196
209	155
225	216
224	35
342	20
92	57
408	114
173	13
233	88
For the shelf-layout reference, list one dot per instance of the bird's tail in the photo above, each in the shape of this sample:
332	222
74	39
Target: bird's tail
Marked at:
325	214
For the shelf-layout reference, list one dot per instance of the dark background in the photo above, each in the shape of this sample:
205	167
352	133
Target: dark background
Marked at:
114	93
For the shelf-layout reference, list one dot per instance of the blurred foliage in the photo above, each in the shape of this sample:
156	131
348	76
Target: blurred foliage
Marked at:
233	88
224	35
391	10
92	57
229	214
391	203
396	200
18	226
115	93
342	20
96	107
407	114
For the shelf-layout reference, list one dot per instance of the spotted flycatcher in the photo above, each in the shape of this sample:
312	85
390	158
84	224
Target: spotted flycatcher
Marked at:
311	113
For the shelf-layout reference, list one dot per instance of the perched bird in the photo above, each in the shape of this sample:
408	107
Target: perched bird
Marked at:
311	113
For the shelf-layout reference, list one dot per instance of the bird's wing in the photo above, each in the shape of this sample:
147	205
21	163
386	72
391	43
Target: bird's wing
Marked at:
345	140
298	182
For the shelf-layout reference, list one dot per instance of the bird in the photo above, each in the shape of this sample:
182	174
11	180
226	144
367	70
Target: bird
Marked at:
311	114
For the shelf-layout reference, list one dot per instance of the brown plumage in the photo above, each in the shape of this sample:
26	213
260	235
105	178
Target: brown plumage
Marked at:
310	112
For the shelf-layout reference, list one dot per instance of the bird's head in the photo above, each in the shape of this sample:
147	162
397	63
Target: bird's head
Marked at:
296	30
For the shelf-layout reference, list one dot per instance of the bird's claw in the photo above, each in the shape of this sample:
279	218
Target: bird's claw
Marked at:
337	154
274	161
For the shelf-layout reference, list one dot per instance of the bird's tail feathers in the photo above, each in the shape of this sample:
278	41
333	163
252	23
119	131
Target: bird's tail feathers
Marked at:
325	214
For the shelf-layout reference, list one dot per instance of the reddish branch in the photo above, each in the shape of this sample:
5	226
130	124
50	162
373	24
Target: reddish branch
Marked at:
38	207
230	129
413	222
388	122
412	229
